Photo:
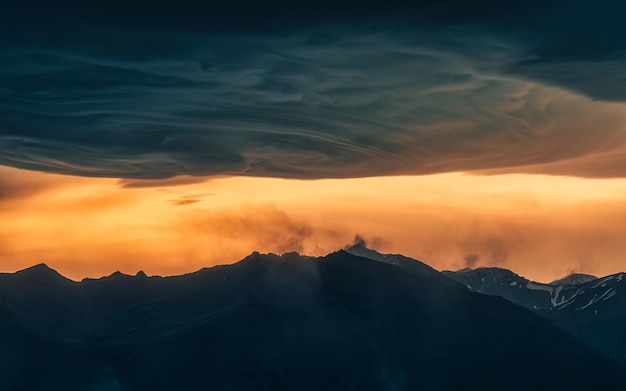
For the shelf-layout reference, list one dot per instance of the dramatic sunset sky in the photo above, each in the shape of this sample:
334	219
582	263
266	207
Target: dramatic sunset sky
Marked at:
166	138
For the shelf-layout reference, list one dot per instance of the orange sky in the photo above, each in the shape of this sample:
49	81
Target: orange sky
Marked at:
541	227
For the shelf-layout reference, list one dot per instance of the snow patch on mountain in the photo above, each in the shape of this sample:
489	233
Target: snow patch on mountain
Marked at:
574	279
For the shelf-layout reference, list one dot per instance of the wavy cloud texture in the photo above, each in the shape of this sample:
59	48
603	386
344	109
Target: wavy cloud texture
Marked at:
321	103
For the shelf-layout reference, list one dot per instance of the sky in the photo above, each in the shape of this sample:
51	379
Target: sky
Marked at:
168	137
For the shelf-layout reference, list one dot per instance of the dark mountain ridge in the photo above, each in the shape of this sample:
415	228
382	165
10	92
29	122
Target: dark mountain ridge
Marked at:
282	322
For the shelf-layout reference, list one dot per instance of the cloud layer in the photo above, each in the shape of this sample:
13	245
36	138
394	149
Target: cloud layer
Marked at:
322	101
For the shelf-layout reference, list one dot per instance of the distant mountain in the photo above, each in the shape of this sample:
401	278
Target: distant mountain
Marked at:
495	281
409	264
591	308
282	322
38	273
574	279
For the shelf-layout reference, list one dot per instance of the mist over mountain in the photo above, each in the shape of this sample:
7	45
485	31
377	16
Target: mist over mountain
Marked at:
283	322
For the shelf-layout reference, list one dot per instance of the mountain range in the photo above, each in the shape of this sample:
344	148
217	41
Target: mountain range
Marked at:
354	319
590	308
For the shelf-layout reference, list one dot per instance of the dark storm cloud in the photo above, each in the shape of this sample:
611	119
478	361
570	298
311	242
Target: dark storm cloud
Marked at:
307	95
161	183
189	199
183	202
578	45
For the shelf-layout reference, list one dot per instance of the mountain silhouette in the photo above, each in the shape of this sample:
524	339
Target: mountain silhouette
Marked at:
283	322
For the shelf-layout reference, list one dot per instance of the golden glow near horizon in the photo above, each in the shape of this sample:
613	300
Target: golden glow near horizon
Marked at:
539	226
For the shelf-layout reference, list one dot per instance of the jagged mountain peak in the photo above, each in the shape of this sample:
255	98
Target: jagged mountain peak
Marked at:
360	249
257	256
118	274
38	268
41	272
490	273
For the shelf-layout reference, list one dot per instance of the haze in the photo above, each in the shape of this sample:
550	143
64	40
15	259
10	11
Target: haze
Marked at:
542	227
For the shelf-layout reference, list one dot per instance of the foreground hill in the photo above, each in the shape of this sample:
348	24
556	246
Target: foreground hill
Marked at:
282	322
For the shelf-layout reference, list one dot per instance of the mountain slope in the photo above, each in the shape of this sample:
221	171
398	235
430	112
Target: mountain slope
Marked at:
594	311
574	279
288	322
495	281
409	264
